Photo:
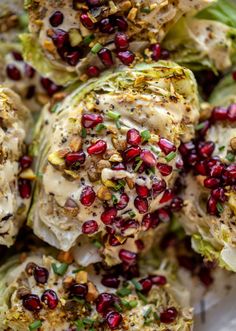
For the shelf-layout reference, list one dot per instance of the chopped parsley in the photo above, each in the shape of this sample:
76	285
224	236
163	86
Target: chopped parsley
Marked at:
230	157
221	148
146	135
200	126
142	297
131	214
113	115
123	292
114	199
83	133
136	284
59	269
170	156
96	48
219	207
35	325
97	243
87	40
118	307
100	127
138	165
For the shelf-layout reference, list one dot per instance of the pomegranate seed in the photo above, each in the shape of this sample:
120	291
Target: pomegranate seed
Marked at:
93	71
41	275
93	3
113	241
176	204
106	25
169	315
211	206
232	113
216	170
60	38
113	319
139	244
158	280
179	163
106	57
127	257
118	166
121	41
167	196
192	159
29	71
162	214
126	57
56	18
156	52
166	146
86	21
129	227
131	153
146	285
211	182
110	281
187	262
32	302
17	56
142	191
158	187
200	168
103	302
146	222
49	297
205	276
234	75
24	188
72	57
219	114
91	120
219	194
204	127
98	147
30	92
164	169
121	23
87	196
186	148
25	161
206	148
79	290
165	54
123	202
13	72
148	157
89	227
49	86
133	137
74	158
230	174
141	204
109	215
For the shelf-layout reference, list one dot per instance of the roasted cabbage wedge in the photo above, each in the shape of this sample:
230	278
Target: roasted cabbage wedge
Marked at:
39	291
106	156
15	172
209	212
207	40
68	37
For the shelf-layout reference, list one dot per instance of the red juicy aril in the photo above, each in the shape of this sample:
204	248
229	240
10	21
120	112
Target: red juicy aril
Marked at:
232	113
166	146
72	158
141	204
206	148
60	38
162	214
169	315
99	147
219	114
200	168
41	275
121	41
13	72
156	52
176	204
146	222
87	196
133	137
24	186
72	57
91	120
219	194
89	227
127	257
186	148
121	23
164	169
216	170
142	191
79	290
32	302
17	56
167	196
131	153
106	25
158	280
86	21
93	71
146	285
110	281
123	202
158	187
25	161
103	302
49	86
106	57
49	297
113	319
29	71
211	182
126	57
109	215
212	206
56	18
129	227
148	157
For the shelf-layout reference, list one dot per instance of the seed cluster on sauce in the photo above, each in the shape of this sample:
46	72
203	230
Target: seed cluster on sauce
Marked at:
93	309
219	177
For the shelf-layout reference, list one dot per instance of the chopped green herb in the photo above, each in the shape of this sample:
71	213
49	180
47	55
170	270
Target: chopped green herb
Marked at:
221	148
113	115
87	40
142	297
123	292
155	150
96	48
121	183
219	207
118	125
114	199
132	214
35	325
147	312
136	284
88	321
157	318
77	270
83	133
97	244
60	269
138	165
118	307
54	107
170	156
133	303
230	157
200	126
146	10
100	127
151	170
146	135
79	325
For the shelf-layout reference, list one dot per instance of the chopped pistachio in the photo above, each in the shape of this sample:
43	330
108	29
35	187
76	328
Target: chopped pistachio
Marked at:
75	37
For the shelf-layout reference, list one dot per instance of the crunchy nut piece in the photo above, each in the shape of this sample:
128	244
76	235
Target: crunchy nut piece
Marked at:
104	194
21	292
109	183
30	268
71	208
49	46
121	239
23	257
233	143
102	164
119	144
59	96
27	174
65	257
63	152
81	277
75	37
125	5
75	143
42	98
132	14
116	158
56	160
67	282
50	32
200	179
130	182
93	175
109	153
205	112
72	174
92	292
113	8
